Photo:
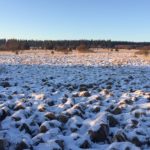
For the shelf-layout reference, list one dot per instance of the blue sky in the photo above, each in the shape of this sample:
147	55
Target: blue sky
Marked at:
75	19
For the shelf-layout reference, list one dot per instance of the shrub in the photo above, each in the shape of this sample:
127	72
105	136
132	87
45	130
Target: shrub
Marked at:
52	52
143	52
62	49
82	48
116	50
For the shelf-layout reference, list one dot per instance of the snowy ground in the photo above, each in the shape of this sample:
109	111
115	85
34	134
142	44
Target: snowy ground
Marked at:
98	101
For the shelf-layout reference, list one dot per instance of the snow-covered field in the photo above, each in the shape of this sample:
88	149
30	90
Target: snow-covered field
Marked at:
97	101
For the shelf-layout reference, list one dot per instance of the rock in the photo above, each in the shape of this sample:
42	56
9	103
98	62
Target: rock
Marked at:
105	91
50	116
84	94
101	134
74	129
136	141
116	111
19	106
26	128
22	145
134	123
41	108
75	95
120	137
137	114
83	89
129	101
96	109
60	143
4	112
108	87
50	102
112	121
63	118
2	96
16	118
3	144
85	144
64	100
10	97
5	84
43	128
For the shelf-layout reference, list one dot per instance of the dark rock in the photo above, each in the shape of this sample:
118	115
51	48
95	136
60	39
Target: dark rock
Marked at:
16	118
85	144
3	144
84	94
41	108
43	129
74	129
112	121
136	141
60	143
19	106
120	137
10	97
75	95
3	113
26	128
116	111
63	118
50	116
96	109
101	134
83	89
134	123
106	92
50	103
5	84
64	100
129	101
22	145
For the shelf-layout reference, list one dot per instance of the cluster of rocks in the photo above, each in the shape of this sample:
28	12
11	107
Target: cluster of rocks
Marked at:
74	107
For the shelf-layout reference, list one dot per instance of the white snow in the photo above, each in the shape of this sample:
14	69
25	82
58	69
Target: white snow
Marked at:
49	83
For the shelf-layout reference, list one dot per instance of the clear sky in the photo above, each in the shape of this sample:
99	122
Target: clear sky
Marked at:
75	19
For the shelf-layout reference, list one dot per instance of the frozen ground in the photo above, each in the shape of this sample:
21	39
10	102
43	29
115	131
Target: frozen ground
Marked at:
98	101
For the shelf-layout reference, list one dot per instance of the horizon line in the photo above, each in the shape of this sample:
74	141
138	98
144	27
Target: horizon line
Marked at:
80	39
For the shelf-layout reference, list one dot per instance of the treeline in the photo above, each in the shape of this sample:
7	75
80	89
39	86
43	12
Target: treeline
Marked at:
13	44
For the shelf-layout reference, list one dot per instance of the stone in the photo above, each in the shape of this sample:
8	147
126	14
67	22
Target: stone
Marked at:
84	94
3	113
112	121
136	141
101	134
96	109
19	106
83	89
41	108
120	137
26	128
63	118
3	144
43	129
85	144
75	95
50	116
60	143
116	111
22	145
5	84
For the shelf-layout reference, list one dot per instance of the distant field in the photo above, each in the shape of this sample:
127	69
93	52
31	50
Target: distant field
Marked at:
103	56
